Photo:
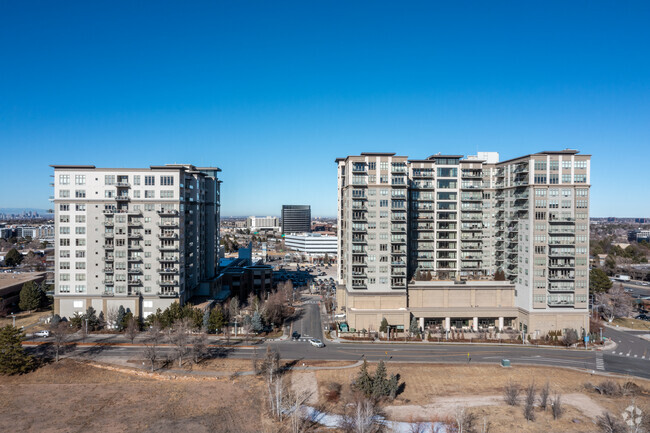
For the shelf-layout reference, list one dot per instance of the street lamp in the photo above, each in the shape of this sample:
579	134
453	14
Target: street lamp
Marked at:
14	320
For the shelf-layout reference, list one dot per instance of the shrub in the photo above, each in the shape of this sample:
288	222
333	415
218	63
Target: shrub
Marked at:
511	394
543	396
529	407
607	423
333	392
610	388
556	406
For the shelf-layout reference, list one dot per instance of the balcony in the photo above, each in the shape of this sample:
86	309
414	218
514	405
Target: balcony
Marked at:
109	223
168	224
168	236
108	270
168	283
123	184
171	271
109	258
167	212
135	247
108	235
110	282
135	235
135	223
398	263
135	259
168	294
168	259
109	246
135	271
561	277
562	265
168	248
122	198
561	302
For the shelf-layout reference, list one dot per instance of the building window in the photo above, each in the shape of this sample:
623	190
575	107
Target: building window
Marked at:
109	179
64	193
372	165
80	207
580	178
80	218
166	180
80	193
540	178
80	179
167	194
64	179
149	180
149	193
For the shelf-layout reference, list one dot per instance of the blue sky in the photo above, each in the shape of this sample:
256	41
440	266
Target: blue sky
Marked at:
272	92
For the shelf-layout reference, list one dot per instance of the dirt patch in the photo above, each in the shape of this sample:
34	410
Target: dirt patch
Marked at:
75	397
305	382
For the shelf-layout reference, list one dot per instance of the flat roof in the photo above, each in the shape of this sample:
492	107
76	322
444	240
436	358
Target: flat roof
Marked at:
188	167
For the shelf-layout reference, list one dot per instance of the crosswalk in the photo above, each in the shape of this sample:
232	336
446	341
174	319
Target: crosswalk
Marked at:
312	302
600	363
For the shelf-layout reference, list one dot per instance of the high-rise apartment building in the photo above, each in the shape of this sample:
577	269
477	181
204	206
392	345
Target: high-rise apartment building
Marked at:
296	218
133	237
465	242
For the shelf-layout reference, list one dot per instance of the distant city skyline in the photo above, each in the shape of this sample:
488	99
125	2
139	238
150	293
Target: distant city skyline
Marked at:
272	93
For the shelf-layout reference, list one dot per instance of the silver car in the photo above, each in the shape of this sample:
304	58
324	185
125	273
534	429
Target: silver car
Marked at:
316	342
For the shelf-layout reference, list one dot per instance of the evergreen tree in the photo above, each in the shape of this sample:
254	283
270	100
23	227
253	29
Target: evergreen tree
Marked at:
256	322
13	359
599	282
93	320
217	320
121	313
414	328
499	275
32	296
380	382
13	258
128	316
383	327
364	382
101	320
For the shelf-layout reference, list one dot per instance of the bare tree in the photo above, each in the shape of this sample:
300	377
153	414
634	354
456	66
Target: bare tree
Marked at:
132	328
529	406
362	416
607	423
615	303
543	396
179	337
511	394
151	345
295	408
464	420
112	314
60	332
199	347
556	406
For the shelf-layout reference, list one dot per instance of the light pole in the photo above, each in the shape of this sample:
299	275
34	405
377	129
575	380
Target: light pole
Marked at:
14	320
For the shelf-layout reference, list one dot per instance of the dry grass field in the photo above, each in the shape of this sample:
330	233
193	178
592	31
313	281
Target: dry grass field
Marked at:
73	397
433	391
25	318
641	325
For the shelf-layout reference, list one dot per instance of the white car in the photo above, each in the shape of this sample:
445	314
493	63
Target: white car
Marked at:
43	333
316	342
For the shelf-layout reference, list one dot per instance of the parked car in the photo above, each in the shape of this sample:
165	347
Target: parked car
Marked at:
295	335
43	333
316	342
642	317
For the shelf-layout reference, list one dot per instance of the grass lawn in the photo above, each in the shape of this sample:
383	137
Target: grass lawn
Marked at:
25	318
632	323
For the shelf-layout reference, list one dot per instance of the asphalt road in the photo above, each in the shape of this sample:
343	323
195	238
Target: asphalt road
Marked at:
308	324
631	357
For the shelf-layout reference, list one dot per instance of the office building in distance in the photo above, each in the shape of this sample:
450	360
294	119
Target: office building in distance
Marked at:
296	219
141	238
464	242
312	244
269	224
